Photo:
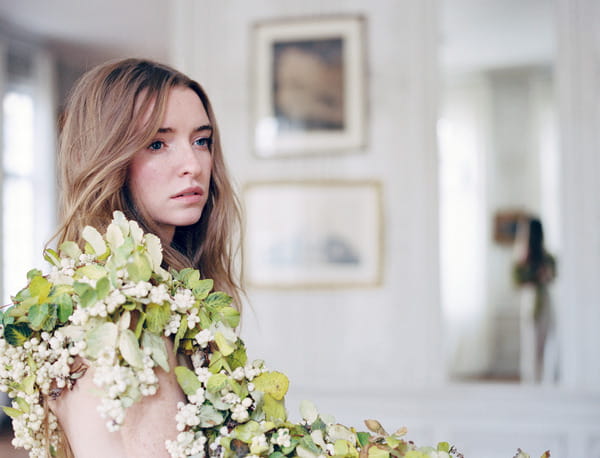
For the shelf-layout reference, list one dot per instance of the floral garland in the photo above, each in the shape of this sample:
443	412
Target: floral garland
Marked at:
111	305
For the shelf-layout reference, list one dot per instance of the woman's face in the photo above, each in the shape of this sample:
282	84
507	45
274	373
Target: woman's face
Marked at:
170	178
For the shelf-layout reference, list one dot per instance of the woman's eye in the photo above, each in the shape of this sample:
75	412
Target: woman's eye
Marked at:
204	142
156	145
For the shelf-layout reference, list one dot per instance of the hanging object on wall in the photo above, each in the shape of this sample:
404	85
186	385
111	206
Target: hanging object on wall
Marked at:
309	86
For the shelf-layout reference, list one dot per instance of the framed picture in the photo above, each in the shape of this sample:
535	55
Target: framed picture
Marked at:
309	86
313	234
506	224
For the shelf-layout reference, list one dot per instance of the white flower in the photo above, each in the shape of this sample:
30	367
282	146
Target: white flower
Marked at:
204	337
259	444
183	301
159	294
193	319
239	413
173	325
238	373
282	438
198	397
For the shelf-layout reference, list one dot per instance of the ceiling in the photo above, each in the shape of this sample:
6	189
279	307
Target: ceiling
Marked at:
474	33
90	31
496	33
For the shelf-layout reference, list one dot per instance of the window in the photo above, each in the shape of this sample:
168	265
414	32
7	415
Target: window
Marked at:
27	190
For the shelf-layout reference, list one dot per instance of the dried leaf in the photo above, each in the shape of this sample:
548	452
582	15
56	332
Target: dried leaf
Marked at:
375	427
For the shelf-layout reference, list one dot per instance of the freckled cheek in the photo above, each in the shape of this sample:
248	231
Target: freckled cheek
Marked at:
144	178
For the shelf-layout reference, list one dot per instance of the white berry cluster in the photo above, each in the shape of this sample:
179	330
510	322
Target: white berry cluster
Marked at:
39	366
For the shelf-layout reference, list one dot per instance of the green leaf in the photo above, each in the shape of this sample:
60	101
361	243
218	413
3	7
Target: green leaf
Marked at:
229	316
51	257
52	319
23	405
93	237
187	380
307	443
363	438
337	431
87	294
71	249
218	298
216	362
91	271
12	412
205	320
274	409
16	334
216	399
309	411
40	287
319	424
34	273
100	338
341	448
377	452
225	346
188	276
209	416
130	349
154	248
273	383
238	358
37	315
65	307
139	268
216	382
247	431
202	288
157	317
114	236
443	447
88	298
159	350
28	384
102	288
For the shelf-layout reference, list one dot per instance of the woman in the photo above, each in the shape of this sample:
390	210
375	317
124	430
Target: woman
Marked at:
140	137
533	272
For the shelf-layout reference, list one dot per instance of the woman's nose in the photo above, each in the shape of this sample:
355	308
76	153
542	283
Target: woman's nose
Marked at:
189	161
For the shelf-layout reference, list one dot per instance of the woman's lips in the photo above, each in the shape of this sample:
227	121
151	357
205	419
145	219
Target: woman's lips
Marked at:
189	195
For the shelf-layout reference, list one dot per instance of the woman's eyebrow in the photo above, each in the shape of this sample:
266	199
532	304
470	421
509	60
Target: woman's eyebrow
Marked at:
168	130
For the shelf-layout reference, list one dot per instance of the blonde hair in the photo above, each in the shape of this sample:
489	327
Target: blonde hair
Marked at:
105	122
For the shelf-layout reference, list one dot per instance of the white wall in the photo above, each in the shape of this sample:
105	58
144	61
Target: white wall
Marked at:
363	353
322	337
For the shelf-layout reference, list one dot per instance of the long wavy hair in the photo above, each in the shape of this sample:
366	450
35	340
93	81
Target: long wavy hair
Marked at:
105	123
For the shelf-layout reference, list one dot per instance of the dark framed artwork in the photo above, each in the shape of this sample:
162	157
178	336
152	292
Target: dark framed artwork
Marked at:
309	86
